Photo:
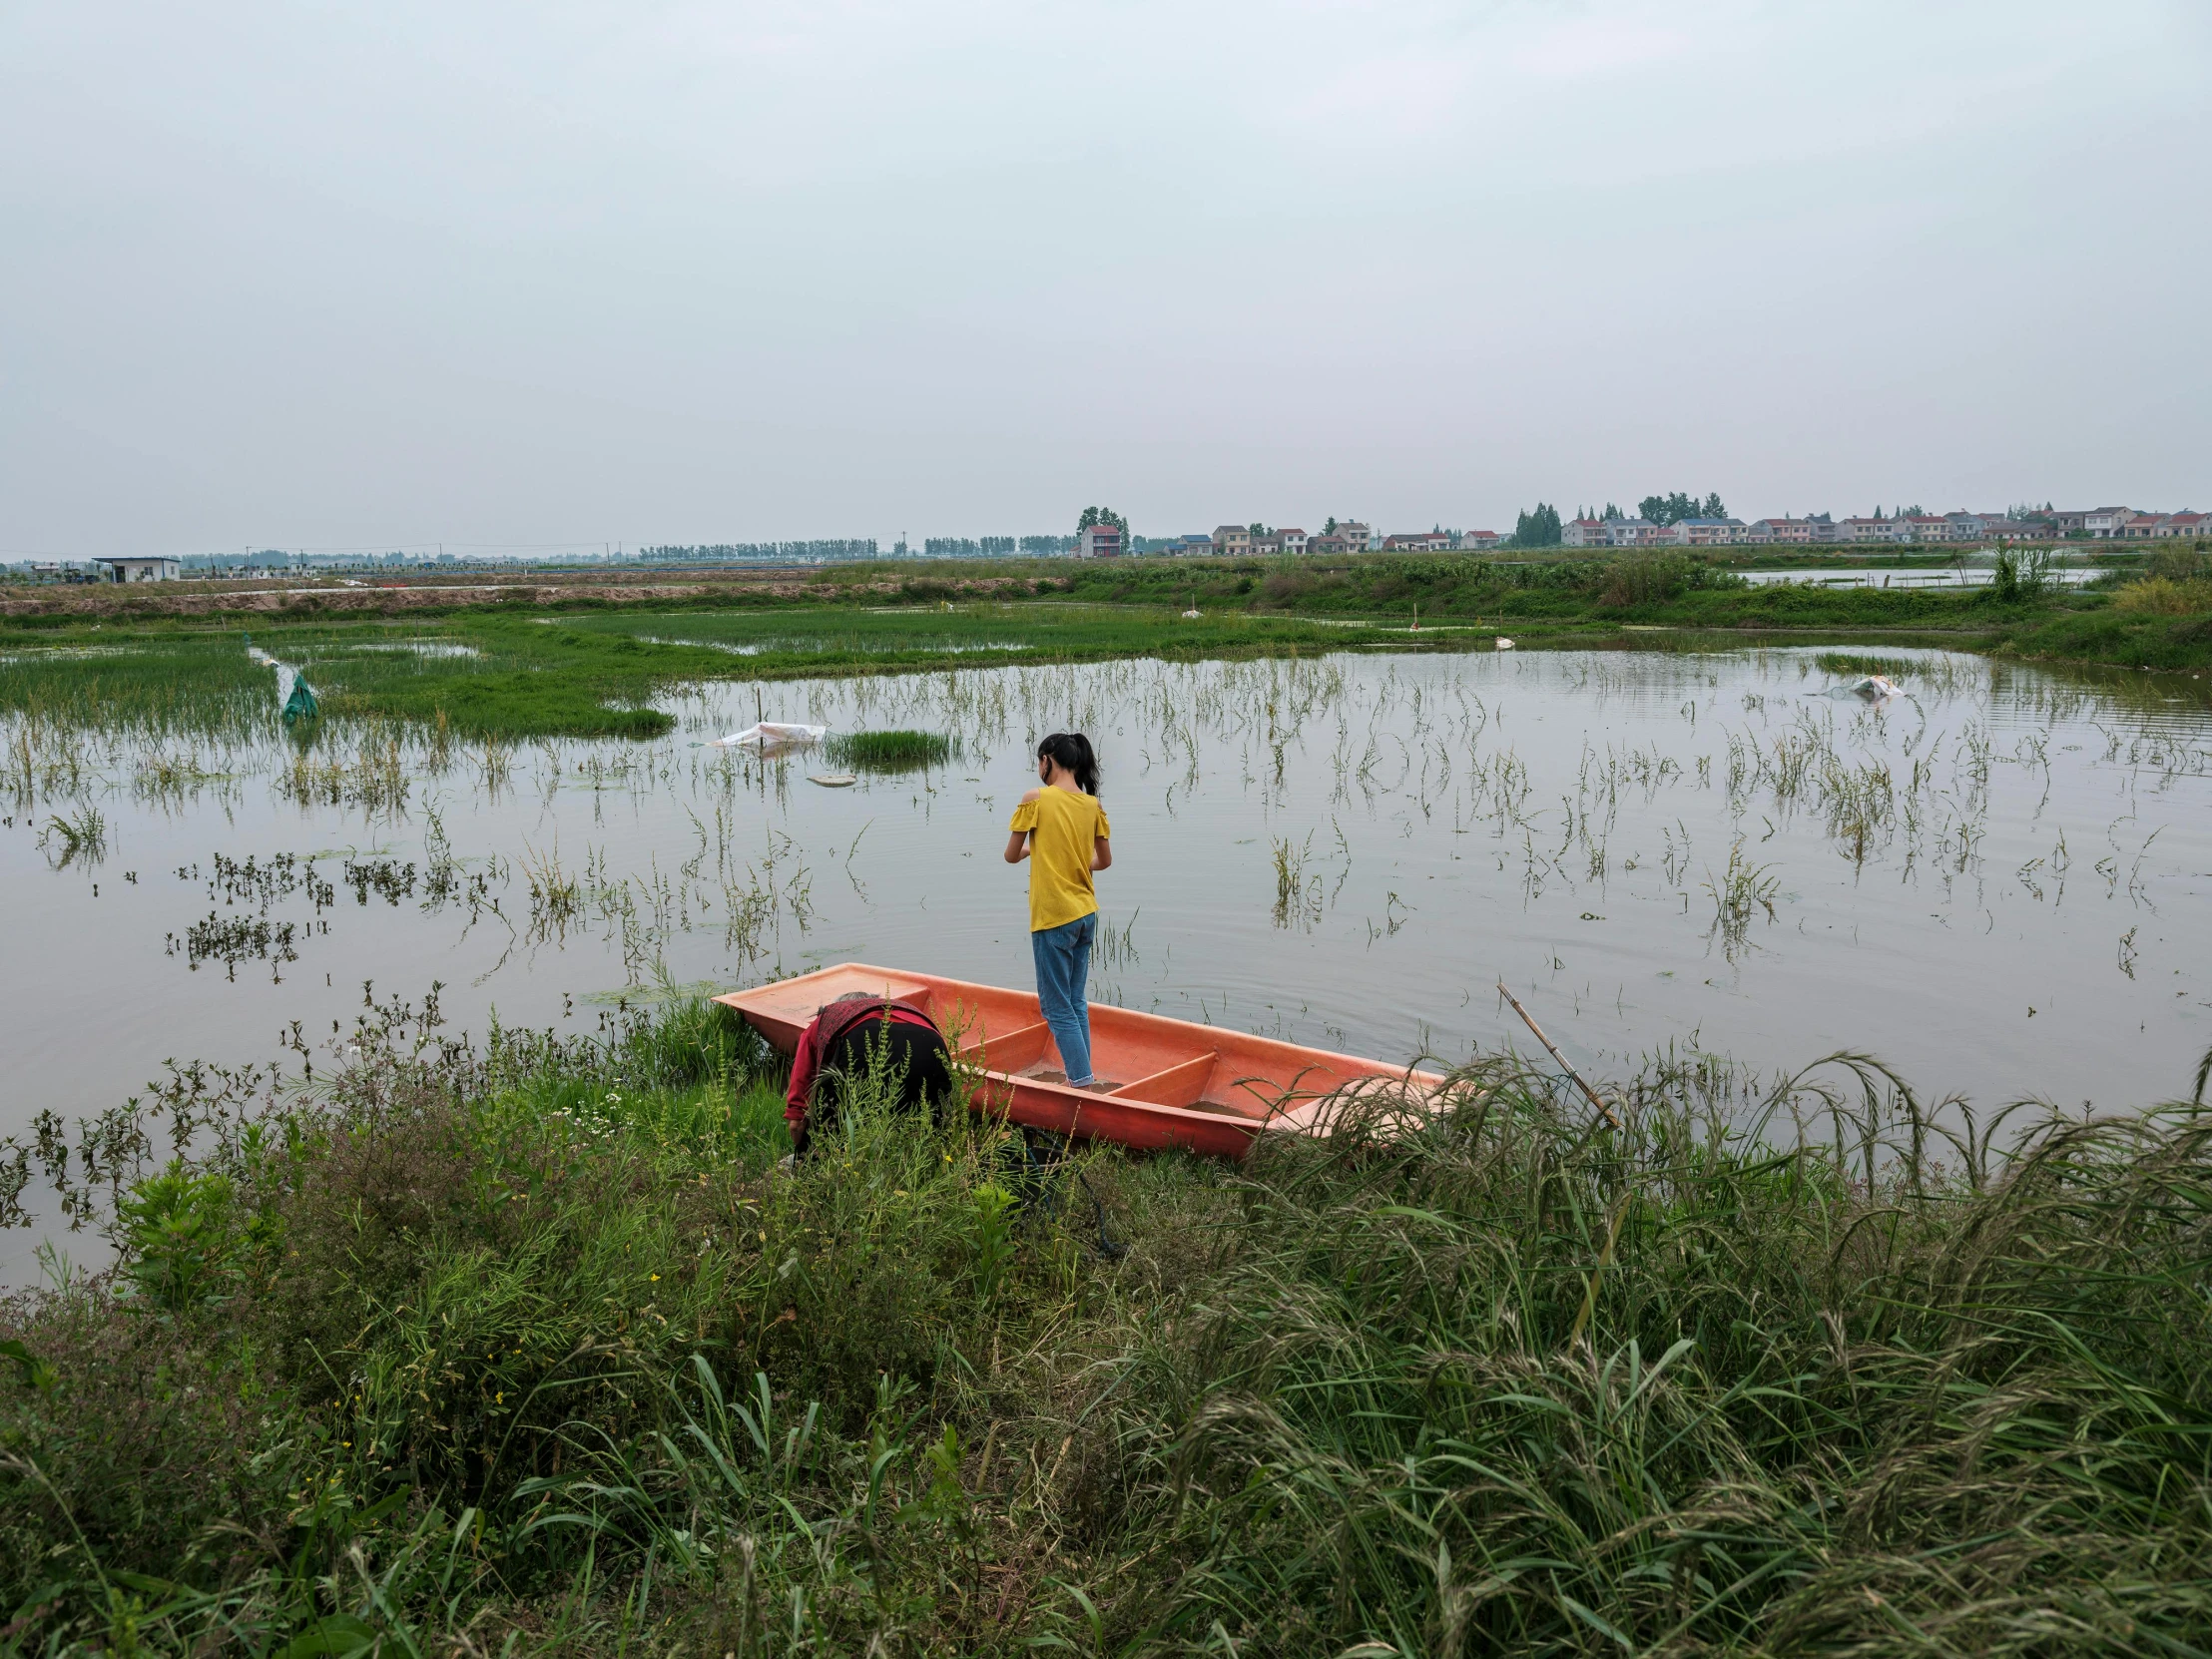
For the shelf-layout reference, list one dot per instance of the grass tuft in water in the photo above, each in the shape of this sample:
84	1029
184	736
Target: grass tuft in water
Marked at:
890	750
1859	663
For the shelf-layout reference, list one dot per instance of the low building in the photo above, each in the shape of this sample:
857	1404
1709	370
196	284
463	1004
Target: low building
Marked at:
1357	537
1426	541
1193	544
2107	522
1294	541
1781	532
1706	532
1865	529
2184	524
1100	541
1631	532
1480	541
1923	529
1582	532
128	568
1233	538
1329	543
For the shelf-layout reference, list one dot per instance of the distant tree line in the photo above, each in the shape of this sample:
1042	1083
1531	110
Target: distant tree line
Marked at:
763	550
968	547
1539	528
1673	509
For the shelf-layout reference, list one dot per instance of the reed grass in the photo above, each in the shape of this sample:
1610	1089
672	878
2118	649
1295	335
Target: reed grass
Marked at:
890	750
1861	662
519	1344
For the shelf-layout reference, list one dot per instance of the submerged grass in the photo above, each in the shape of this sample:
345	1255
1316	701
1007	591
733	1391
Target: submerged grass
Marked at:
526	1347
890	750
530	665
512	676
1858	663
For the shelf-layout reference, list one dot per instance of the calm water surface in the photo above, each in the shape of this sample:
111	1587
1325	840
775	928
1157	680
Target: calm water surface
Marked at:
2001	884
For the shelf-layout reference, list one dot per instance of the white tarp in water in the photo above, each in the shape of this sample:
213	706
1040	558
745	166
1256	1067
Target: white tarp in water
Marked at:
1874	688
295	697
772	734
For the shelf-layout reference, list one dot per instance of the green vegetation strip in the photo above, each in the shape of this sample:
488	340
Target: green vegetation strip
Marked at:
890	750
527	1347
523	670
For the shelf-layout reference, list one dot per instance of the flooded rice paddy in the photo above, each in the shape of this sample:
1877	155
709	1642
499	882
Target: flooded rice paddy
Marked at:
2000	883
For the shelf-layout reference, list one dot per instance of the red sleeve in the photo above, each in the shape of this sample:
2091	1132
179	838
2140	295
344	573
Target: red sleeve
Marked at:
805	1062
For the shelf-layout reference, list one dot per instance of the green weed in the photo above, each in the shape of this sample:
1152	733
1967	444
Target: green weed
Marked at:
528	1343
890	750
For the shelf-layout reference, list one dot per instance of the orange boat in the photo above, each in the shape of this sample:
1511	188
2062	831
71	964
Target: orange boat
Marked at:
1170	1083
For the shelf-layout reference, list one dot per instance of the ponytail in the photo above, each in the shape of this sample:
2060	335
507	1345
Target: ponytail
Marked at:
1071	751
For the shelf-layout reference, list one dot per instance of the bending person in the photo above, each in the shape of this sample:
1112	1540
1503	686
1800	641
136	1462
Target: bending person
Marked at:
856	1037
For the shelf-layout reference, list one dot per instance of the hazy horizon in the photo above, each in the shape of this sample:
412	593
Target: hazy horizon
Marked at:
684	273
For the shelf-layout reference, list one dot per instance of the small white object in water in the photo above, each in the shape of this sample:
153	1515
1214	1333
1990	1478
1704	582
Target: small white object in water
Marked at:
771	733
1504	644
1190	616
833	779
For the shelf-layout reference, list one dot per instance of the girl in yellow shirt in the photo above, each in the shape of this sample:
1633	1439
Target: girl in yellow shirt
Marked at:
1062	831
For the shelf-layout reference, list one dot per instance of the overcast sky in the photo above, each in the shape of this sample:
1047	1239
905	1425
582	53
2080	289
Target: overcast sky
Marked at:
349	274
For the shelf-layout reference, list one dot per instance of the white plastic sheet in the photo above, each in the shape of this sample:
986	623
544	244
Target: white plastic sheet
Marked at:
772	734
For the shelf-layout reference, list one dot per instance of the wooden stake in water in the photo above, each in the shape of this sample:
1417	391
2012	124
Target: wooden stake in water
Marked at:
1564	1064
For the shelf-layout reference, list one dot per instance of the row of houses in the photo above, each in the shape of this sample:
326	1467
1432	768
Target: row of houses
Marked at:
1905	529
1813	530
1348	537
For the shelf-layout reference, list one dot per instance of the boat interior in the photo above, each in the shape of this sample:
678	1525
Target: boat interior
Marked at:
1144	1059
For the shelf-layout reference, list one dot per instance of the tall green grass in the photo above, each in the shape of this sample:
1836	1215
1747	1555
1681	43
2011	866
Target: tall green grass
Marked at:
1860	663
890	750
526	1343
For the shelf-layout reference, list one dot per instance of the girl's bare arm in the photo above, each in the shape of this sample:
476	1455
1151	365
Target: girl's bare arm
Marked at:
1102	853
1017	843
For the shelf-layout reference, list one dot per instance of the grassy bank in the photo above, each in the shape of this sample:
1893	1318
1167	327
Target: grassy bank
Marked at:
527	1347
503	671
484	675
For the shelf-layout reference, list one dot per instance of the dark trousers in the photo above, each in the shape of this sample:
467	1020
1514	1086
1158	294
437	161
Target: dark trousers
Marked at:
913	1059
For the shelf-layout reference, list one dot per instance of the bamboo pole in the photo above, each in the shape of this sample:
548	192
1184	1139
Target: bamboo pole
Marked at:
1566	1064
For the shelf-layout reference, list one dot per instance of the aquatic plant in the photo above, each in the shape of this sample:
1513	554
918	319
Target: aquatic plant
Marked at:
1855	663
1739	894
80	837
890	750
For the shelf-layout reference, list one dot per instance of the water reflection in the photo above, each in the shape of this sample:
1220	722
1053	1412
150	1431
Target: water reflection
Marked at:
1996	882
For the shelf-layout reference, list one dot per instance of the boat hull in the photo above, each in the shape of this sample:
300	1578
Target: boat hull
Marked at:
1172	1082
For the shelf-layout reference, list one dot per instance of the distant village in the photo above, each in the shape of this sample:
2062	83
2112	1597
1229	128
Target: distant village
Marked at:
1678	521
1614	529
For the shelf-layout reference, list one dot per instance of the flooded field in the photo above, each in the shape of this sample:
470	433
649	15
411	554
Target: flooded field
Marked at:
1999	883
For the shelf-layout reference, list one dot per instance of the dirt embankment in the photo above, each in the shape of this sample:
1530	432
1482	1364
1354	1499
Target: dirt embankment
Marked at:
100	601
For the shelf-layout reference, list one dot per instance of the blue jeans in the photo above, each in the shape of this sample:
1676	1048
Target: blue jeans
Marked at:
1063	979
